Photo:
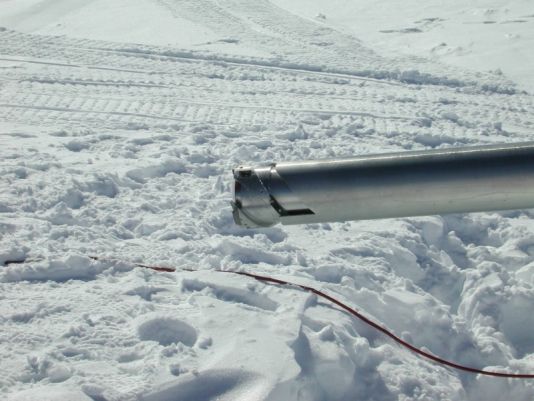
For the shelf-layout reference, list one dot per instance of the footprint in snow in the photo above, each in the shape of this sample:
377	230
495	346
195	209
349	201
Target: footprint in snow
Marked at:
167	331
210	385
230	294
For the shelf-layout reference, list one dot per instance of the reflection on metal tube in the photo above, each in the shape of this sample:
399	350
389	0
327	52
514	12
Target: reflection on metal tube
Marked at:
467	179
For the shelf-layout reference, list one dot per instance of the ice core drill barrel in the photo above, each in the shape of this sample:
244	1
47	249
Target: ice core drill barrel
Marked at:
415	183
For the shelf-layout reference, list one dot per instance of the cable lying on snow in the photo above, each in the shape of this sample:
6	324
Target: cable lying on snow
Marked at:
353	312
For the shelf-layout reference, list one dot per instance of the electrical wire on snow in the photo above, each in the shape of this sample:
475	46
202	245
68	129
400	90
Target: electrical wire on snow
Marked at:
345	307
353	312
156	268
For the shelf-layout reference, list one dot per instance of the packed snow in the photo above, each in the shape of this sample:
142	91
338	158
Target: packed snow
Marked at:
120	123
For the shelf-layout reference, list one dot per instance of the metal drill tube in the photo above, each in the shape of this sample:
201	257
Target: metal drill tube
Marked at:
456	180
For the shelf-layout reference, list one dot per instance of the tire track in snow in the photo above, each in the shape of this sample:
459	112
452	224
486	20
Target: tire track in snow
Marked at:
275	92
86	51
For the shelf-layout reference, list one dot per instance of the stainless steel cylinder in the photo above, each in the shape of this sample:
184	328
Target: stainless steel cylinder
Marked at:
456	180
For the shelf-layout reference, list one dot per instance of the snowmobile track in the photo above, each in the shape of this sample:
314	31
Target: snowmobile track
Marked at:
116	85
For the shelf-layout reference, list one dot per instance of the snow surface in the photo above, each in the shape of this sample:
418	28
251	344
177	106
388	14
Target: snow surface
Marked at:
119	125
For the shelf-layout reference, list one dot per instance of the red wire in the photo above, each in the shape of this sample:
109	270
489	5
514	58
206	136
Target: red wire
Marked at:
384	330
355	313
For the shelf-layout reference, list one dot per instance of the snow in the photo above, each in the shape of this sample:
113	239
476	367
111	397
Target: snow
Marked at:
120	123
484	35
